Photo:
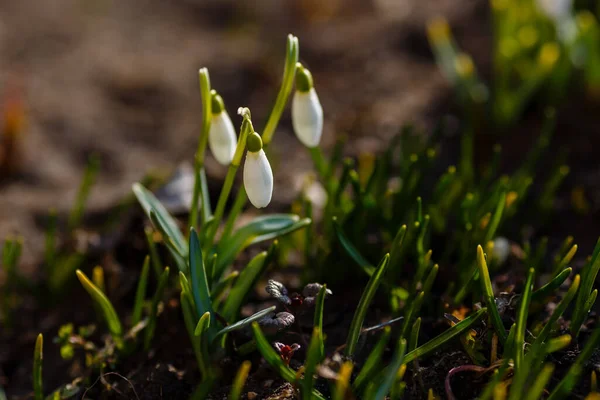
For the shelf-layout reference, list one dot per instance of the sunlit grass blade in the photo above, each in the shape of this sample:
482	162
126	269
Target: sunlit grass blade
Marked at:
239	381
260	229
566	259
274	360
156	299
537	389
313	357
199	282
342	383
550	287
140	293
559	310
222	286
588	277
522	320
89	176
201	332
167	225
484	277
412	311
38	356
241	287
444	337
363	305
246	321
110	315
370	367
566	385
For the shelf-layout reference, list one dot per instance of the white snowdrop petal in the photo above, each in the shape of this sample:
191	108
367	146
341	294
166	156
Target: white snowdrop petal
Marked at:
307	117
258	179
221	138
555	9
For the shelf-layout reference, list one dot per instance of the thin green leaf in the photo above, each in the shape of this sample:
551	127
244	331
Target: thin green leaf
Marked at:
156	299
537	389
154	256
246	321
110	315
38	356
199	282
352	250
140	293
559	310
190	321
239	381
222	286
363	305
313	357
484	277
372	364
167	224
567	384
391	372
550	287
243	285
522	319
89	176
444	337
274	360
258	230
318	319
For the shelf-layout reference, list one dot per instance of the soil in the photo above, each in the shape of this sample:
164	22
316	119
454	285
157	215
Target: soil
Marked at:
119	80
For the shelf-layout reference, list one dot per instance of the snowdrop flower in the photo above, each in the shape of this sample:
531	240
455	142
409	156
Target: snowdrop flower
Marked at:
307	113
555	9
258	176
221	136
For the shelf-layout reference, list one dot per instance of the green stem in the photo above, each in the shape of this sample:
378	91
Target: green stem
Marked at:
289	72
236	209
200	154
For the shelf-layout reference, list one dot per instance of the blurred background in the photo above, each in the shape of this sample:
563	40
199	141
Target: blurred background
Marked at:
120	79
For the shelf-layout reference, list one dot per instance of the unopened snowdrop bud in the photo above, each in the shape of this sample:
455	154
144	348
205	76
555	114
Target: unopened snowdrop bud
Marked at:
258	176
501	249
221	136
307	113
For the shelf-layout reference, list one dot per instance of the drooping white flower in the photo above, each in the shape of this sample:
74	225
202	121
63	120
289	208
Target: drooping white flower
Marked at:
258	176
555	9
221	136
307	113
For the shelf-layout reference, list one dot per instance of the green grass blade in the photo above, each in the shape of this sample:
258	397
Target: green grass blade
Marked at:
566	385
559	310
549	288
110	315
274	360
313	357
221	287
392	371
246	321
522	320
242	286
239	381
444	337
566	259
537	389
190	322
486	283
199	282
160	289
496	218
363	305
414	335
260	229
89	176
371	365
154	256
412	312
352	250
201	331
318	318
140	293
167	225
38	356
